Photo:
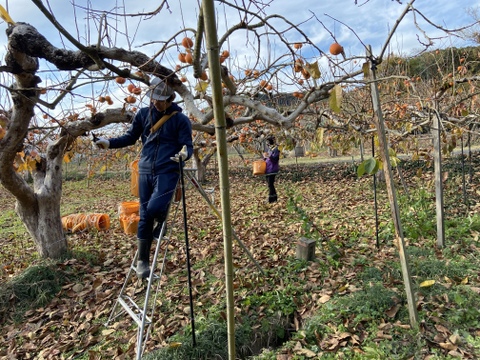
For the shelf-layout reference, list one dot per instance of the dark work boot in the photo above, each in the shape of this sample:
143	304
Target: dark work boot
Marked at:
272	198
143	265
158	227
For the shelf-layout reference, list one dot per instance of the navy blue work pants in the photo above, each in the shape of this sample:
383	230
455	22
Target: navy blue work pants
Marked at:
156	192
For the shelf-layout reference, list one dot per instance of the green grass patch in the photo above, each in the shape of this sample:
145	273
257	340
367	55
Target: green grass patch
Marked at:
417	212
12	227
460	311
33	288
211	339
462	228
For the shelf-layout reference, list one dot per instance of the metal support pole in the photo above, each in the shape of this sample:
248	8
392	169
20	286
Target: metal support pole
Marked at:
187	246
375	195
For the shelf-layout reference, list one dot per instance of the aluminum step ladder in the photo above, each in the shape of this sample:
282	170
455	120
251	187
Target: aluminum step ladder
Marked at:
137	301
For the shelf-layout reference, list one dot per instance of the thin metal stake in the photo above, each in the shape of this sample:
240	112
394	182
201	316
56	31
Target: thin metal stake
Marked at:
375	194
192	316
464	185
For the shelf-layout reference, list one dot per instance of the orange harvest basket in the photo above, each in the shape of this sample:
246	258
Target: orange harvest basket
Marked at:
259	167
129	223
128	208
128	214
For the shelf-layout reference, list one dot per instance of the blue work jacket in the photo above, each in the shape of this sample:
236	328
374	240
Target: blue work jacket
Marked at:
160	146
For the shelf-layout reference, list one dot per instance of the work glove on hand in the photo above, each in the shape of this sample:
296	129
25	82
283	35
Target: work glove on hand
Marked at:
102	143
181	155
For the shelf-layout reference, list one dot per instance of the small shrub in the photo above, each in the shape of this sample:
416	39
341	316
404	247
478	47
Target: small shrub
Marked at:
460	229
282	301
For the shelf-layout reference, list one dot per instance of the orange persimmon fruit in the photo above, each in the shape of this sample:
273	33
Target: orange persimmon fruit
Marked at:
187	42
130	88
181	58
336	49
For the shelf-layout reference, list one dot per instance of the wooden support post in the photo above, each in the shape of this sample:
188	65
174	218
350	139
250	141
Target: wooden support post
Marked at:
306	249
382	140
437	156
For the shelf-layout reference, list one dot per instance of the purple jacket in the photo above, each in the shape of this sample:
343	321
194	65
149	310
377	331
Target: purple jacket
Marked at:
272	161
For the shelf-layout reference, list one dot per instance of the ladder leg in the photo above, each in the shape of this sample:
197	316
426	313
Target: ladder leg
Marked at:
146	322
142	310
131	271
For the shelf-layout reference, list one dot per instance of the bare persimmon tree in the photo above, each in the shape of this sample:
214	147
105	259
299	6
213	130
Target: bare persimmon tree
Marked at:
52	96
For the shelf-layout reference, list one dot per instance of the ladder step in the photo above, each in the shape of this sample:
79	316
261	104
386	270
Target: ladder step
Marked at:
134	268
164	237
134	315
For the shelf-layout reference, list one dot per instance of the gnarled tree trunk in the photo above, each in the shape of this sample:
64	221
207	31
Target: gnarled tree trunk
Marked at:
39	208
200	164
41	212
43	222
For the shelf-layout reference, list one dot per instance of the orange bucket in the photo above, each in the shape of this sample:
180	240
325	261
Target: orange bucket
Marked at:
259	167
128	214
129	223
134	178
128	208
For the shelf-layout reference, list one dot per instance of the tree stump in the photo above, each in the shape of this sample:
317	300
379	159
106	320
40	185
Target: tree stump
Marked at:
306	249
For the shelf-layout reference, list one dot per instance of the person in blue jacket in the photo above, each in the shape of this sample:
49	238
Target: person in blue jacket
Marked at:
272	158
158	167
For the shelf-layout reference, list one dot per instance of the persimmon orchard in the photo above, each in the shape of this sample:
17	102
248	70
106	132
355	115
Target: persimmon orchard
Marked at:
303	93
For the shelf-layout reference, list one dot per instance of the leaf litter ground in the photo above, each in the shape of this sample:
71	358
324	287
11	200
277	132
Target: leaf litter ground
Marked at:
324	202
